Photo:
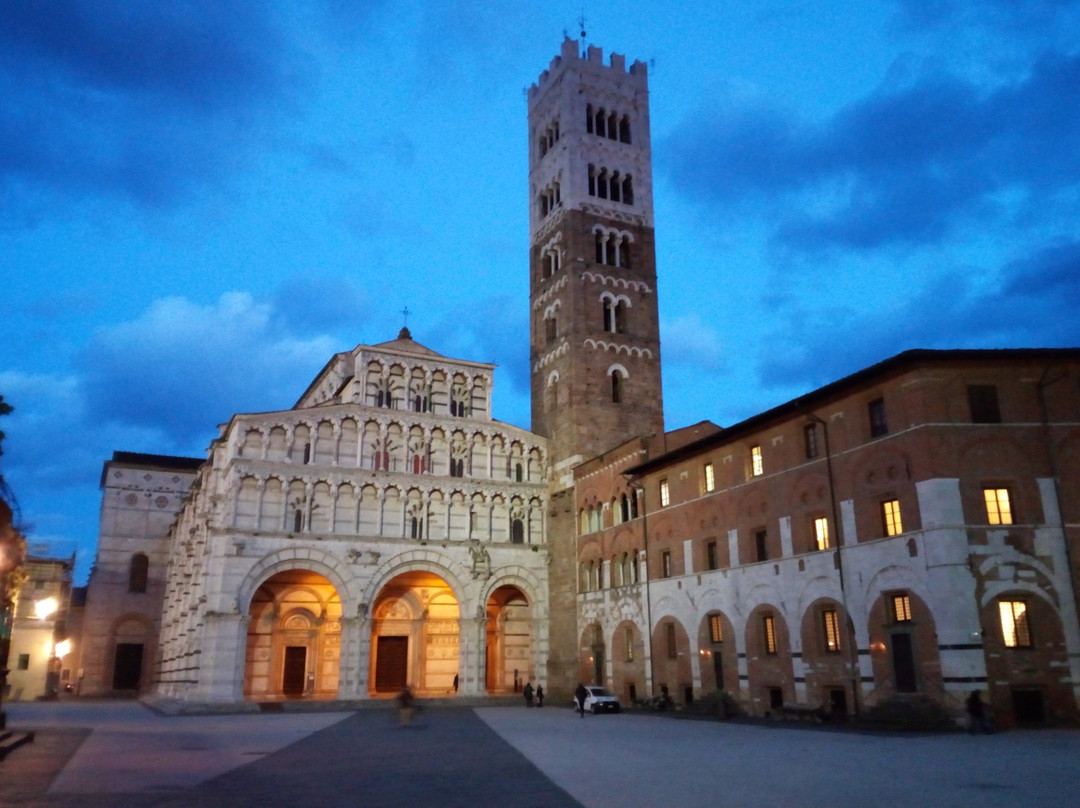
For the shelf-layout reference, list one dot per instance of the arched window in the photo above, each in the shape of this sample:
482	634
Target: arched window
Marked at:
416	527
519	472
138	572
633	507
624	129
550	330
628	190
517	532
625	506
616	387
601	122
615	187
589	118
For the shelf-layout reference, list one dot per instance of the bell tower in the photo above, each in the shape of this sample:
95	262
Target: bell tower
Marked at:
594	333
594	325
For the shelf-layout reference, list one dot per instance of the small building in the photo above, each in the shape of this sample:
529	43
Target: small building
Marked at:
40	627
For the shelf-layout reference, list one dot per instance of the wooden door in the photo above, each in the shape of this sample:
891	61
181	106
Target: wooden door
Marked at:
391	664
294	676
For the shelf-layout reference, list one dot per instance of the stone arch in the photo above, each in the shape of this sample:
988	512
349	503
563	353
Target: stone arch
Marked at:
310	558
718	650
671	655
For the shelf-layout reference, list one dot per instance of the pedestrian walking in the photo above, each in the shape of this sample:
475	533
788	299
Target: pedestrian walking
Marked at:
579	696
405	706
539	695
976	710
528	693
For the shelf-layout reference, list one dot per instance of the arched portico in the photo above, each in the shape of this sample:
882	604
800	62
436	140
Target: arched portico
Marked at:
415	636
293	638
508	655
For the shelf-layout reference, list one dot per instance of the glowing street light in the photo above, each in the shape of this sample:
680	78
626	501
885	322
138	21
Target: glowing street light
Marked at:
45	608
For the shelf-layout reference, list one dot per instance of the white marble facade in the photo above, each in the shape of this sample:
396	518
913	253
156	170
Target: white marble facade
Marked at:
386	510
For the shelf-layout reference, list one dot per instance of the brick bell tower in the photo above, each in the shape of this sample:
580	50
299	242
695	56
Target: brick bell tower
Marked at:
594	333
594	325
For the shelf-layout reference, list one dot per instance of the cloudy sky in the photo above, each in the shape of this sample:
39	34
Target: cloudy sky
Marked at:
200	202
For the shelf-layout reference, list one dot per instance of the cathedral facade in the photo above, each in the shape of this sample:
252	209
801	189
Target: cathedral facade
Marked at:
384	531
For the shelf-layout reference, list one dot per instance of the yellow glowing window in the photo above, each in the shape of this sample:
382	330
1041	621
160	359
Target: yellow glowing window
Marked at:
757	467
716	630
832	630
1014	623
998	507
665	494
821	533
629	645
890	516
901	605
710	478
769	627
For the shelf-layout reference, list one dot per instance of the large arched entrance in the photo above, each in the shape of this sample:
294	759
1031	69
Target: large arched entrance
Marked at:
415	637
509	641
294	638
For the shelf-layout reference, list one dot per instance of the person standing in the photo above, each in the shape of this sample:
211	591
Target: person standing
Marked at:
528	693
579	696
539	695
976	710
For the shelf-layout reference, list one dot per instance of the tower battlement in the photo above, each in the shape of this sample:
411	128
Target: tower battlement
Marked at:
594	57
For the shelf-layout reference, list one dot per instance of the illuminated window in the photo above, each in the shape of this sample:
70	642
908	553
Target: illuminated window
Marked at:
998	507
672	647
710	556
890	517
629	645
983	403
665	563
901	608
769	631
716	630
821	533
757	467
878	425
831	624
1015	629
810	440
665	494
710	478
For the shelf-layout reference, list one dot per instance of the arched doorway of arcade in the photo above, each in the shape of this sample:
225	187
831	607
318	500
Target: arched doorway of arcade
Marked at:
415	636
293	638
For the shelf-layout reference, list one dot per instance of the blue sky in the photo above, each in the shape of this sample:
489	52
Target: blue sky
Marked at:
201	202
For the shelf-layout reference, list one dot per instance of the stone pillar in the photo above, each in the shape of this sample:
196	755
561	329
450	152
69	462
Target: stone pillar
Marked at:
472	660
352	670
222	658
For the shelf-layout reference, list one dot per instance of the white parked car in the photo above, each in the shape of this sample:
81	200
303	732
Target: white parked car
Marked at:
599	700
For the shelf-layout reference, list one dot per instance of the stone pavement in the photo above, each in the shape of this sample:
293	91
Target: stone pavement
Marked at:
122	755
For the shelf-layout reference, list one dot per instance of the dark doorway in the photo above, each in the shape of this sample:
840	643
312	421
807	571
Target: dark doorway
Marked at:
391	664
598	664
903	660
1028	706
837	704
718	666
776	698
127	670
295	673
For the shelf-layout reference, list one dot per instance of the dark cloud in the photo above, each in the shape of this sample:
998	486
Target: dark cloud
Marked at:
906	165
139	99
1033	305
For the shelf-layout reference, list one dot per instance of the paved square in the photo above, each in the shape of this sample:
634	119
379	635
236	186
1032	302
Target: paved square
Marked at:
122	755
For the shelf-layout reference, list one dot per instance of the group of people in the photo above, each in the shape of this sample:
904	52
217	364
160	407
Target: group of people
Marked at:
529	693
